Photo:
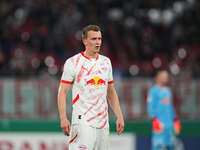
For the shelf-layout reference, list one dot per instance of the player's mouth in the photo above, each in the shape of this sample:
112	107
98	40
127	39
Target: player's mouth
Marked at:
97	46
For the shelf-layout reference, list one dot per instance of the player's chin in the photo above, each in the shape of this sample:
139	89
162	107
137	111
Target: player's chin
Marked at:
97	49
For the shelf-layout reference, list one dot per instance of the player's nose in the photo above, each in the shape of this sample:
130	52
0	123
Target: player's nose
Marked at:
98	42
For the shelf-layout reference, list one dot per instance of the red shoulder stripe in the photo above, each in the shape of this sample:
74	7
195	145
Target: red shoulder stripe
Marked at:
68	82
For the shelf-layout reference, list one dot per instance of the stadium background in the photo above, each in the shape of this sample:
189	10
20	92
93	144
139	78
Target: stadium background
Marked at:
37	36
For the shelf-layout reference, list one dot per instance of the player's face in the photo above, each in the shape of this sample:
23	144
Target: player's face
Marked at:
93	41
163	77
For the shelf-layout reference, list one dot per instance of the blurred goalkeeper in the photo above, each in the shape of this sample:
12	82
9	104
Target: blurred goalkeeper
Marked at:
160	109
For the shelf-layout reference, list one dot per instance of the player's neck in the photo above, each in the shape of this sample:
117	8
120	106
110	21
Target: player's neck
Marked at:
160	85
90	54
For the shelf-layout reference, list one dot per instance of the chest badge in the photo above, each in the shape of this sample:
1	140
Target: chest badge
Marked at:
165	101
96	81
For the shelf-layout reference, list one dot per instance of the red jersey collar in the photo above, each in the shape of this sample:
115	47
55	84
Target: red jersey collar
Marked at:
82	53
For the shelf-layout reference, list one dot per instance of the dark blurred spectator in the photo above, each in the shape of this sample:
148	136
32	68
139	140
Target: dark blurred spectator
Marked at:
37	36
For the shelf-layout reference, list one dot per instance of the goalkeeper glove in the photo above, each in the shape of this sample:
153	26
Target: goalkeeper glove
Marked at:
157	125
177	126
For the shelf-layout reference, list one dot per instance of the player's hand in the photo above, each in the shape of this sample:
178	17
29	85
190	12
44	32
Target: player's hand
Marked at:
157	125
120	125
177	126
65	125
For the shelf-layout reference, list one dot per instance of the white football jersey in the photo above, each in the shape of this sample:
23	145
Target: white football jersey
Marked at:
90	79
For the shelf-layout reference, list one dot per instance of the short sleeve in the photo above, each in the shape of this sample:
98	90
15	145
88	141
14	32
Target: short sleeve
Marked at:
151	103
68	72
110	74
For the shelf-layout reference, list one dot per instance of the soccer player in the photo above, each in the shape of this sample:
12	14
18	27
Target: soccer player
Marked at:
161	111
90	75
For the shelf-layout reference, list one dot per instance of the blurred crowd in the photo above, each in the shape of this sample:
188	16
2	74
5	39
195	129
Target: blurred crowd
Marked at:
37	36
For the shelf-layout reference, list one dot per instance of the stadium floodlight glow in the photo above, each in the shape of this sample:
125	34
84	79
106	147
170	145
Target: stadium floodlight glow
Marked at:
167	16
19	13
53	70
19	16
191	1
178	7
130	22
157	62
182	53
49	61
174	68
154	15
115	14
134	70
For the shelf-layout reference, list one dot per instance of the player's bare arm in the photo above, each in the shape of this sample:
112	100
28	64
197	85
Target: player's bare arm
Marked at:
114	104
65	124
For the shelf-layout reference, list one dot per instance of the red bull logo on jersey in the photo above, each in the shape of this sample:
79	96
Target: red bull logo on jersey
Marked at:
96	81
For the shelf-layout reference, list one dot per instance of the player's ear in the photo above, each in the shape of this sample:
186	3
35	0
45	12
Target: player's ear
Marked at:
84	41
